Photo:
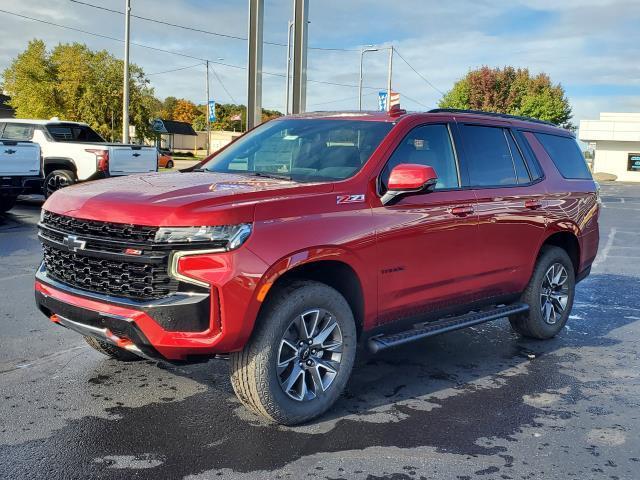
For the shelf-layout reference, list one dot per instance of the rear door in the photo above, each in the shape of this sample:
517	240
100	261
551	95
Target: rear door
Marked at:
19	159
427	243
510	206
128	159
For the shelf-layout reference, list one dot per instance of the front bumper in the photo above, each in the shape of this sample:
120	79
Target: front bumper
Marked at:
144	328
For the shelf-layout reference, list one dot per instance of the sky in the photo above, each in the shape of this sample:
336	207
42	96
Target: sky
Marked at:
591	47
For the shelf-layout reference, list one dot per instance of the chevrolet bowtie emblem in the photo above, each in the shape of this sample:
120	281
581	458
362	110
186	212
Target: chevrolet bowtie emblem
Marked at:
73	244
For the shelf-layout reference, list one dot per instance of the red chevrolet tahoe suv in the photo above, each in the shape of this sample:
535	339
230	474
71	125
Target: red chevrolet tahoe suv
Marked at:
313	234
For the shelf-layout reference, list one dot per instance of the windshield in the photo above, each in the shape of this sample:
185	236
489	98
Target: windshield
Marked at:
303	150
73	133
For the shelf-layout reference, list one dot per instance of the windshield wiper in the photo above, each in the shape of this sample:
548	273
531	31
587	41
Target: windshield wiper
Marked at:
277	176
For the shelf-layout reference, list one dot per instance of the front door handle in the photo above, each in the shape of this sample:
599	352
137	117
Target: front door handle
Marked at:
532	204
462	210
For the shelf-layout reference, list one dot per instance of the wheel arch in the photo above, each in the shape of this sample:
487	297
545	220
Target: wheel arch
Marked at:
567	240
333	270
58	163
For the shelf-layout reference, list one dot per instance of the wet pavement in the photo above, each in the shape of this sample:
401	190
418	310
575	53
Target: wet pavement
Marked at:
480	403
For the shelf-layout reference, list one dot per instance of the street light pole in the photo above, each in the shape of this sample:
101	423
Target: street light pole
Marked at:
208	114
125	90
389	73
362	52
286	99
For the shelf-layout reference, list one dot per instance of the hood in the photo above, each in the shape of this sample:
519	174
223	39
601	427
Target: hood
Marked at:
175	199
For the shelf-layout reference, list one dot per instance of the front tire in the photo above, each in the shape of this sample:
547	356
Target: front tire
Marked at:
300	356
112	351
169	164
549	295
58	179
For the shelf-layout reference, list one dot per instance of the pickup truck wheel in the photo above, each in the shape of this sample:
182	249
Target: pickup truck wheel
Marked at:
7	203
300	356
549	295
111	350
58	179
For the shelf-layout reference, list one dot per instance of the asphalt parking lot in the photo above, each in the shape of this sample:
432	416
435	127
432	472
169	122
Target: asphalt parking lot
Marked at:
480	403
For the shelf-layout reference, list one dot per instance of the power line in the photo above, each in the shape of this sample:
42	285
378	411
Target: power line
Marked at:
170	52
215	74
418	73
175	69
199	30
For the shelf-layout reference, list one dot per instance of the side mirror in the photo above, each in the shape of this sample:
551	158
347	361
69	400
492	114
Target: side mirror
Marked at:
408	179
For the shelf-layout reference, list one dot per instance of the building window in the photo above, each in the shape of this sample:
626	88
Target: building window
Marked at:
634	162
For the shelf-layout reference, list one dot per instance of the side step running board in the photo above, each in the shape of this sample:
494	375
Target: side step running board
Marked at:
382	342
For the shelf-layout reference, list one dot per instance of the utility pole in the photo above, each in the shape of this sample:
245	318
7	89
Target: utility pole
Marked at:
254	83
300	35
389	73
208	114
125	90
286	95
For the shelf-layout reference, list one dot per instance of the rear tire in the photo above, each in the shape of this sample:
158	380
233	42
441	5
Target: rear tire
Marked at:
549	295
56	180
169	164
7	203
111	350
286	378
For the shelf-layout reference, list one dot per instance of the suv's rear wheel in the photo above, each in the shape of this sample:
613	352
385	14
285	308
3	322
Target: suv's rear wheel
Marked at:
58	179
300	355
549	295
111	350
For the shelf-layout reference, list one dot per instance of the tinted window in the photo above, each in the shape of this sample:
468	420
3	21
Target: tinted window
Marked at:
534	168
427	145
566	155
73	133
305	150
518	161
490	162
17	131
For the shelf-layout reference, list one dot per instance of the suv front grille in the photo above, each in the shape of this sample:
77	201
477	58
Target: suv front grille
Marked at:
116	278
102	266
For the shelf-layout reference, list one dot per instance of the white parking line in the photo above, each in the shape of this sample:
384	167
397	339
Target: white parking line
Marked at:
605	251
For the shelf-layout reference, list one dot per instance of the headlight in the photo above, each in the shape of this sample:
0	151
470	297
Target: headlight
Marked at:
228	237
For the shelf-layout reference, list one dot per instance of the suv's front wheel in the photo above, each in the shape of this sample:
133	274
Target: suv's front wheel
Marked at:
300	355
549	295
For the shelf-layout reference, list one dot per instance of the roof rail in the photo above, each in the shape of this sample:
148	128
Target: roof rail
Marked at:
491	114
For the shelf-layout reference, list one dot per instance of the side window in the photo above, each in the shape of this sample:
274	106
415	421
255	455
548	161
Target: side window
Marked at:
566	155
1	129
17	131
490	161
518	161
535	170
427	145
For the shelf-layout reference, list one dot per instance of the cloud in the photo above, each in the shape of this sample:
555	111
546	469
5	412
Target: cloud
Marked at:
590	46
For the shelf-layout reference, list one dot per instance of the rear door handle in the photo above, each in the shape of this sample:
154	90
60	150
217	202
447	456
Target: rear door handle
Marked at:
462	210
533	204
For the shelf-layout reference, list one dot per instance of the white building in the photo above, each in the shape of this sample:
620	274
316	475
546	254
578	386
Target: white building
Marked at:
616	141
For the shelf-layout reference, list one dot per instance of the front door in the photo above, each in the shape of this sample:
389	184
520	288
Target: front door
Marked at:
426	243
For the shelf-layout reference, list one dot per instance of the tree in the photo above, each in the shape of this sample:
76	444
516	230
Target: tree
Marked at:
513	91
185	111
75	83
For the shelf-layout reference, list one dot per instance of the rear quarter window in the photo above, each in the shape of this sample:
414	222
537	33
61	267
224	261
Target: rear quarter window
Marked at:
566	155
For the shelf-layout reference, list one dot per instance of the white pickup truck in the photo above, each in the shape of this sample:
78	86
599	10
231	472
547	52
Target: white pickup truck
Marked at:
20	164
73	152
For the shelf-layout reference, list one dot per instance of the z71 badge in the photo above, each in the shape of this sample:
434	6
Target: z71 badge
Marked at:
358	198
